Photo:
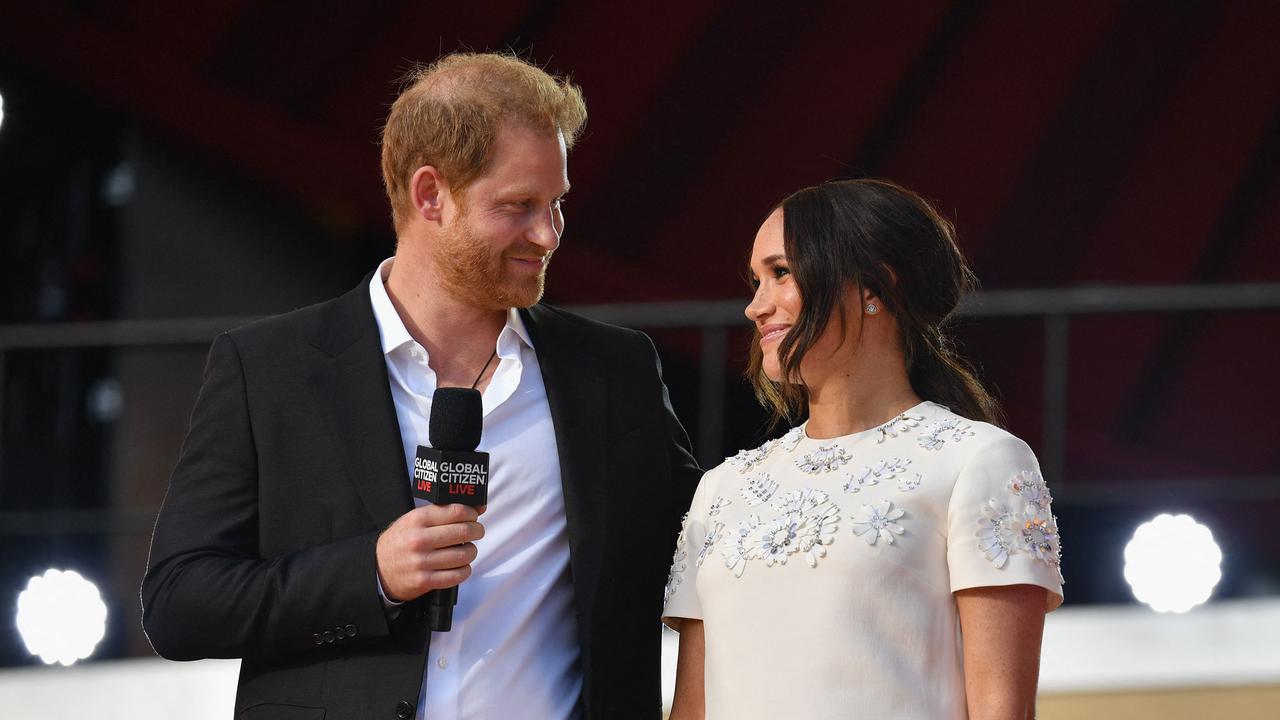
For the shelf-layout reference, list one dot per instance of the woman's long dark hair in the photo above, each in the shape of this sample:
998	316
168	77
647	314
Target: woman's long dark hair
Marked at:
880	236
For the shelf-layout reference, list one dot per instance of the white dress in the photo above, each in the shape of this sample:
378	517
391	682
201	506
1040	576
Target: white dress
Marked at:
823	570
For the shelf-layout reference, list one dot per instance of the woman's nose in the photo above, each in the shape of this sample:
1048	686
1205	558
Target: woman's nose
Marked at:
759	305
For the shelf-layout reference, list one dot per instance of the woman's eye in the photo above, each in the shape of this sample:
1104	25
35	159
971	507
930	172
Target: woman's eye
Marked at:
780	272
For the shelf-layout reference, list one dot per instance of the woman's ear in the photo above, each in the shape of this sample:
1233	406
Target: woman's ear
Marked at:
871	304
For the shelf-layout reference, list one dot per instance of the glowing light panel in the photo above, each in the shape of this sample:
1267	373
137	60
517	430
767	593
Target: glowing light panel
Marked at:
1172	563
61	617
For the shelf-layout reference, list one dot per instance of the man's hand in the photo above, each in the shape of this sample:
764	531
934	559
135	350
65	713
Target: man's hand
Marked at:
428	548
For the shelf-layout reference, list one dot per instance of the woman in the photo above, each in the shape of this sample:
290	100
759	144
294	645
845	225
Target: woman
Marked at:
833	572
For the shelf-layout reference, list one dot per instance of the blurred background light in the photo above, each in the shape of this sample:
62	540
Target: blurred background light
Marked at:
1	110
1172	563
61	617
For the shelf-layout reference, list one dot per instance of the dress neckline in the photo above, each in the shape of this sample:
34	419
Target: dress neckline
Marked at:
917	410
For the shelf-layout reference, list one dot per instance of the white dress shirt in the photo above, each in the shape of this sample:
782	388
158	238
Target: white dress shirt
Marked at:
513	651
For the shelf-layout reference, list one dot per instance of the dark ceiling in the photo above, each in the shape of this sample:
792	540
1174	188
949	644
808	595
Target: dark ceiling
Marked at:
1090	143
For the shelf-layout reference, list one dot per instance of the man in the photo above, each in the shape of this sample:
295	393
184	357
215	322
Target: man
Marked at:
289	537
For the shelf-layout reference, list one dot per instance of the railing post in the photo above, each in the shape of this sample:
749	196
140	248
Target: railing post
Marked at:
709	448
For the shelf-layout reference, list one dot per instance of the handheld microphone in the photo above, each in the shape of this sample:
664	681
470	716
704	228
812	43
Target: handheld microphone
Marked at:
451	471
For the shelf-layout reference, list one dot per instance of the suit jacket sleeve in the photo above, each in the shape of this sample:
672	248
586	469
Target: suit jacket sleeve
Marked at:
208	592
683	469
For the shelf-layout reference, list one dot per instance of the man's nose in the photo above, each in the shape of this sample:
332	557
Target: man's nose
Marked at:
546	230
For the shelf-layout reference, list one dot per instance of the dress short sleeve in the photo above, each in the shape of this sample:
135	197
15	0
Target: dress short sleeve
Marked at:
1000	524
680	598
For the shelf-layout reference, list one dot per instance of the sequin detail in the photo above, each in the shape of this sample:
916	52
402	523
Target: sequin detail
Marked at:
1024	524
900	424
708	542
937	434
826	458
717	505
758	490
878	522
747	460
805	522
872	474
791	439
678	563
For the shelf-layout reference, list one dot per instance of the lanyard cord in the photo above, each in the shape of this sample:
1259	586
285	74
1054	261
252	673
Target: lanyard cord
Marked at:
483	369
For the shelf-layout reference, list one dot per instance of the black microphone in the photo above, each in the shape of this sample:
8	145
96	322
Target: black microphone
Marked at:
451	471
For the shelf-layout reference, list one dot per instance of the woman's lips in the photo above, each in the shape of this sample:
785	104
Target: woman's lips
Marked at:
770	333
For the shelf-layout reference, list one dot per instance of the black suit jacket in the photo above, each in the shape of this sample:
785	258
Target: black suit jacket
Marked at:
264	548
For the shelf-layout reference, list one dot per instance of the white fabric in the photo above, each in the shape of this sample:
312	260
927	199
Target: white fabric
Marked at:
865	630
513	649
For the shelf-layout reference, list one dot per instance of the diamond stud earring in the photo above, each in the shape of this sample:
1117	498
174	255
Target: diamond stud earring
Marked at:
872	309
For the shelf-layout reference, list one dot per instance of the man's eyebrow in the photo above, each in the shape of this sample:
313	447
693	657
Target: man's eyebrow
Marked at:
527	191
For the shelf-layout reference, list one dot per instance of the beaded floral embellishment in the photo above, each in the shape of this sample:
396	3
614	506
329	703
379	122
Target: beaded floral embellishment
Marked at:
935	435
678	564
708	542
804	523
717	505
747	460
1023	525
872	474
825	459
758	490
878	522
791	439
900	424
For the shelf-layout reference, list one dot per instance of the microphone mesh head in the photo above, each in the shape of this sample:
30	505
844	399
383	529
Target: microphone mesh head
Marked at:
455	422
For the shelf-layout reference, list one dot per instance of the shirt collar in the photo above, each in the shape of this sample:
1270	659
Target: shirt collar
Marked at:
395	335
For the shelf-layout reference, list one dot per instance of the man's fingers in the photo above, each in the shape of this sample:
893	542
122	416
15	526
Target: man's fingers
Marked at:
441	579
450	558
432	515
443	536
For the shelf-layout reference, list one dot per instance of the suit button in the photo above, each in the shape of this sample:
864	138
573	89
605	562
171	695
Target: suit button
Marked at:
351	631
328	636
404	710
319	640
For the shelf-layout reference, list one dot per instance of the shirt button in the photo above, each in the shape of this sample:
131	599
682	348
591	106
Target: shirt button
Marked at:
442	663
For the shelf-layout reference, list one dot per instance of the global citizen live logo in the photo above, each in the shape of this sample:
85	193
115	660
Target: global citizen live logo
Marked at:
451	477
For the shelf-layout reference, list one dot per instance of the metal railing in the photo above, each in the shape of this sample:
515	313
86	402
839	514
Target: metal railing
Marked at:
714	319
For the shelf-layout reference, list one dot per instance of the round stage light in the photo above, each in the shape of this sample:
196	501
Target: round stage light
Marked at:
1172	563
61	617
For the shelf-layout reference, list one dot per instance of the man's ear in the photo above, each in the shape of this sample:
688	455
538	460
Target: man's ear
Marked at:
428	191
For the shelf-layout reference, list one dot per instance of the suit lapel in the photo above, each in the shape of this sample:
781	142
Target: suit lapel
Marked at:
576	394
352	389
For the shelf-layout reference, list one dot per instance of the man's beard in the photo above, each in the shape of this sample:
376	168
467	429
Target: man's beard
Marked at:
474	273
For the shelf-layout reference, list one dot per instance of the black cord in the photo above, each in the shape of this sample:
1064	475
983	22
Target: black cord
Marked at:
486	367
